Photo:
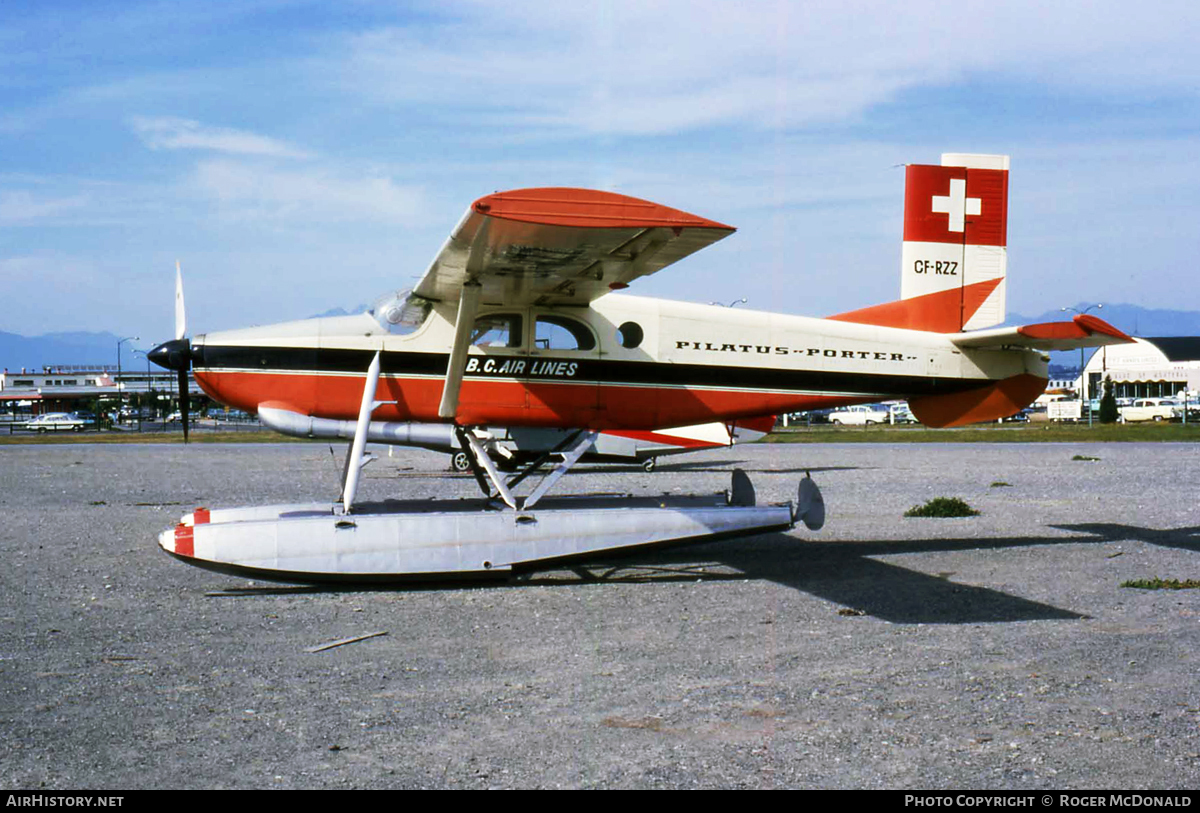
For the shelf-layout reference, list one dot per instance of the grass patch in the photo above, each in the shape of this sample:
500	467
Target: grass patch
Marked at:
942	507
1086	458
1000	484
205	436
1162	584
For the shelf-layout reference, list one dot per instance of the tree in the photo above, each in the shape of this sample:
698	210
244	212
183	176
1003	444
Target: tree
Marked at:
1108	403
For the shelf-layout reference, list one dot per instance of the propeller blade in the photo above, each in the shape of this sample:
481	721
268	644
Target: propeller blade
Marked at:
180	315
183	402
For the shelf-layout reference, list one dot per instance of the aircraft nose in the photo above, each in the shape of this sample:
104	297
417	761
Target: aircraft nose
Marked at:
173	355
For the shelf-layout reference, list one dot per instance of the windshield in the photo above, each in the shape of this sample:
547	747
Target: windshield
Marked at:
400	312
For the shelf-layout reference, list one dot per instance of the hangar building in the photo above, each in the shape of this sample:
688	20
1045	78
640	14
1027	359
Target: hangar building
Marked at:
1154	367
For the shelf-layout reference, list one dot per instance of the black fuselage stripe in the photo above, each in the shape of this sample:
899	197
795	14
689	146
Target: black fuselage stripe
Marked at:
602	371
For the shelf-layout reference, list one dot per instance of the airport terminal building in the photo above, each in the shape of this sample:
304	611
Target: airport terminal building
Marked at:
65	388
1154	367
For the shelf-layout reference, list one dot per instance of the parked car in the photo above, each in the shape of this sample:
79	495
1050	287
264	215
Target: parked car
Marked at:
809	417
1193	412
230	414
55	421
1151	409
859	415
900	413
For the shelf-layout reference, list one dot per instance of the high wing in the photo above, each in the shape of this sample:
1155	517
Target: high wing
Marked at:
561	246
1082	331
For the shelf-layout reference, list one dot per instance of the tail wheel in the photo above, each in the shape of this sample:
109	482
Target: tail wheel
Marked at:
649	463
460	461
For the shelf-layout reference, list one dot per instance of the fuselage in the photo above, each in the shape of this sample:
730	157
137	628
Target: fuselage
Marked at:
624	362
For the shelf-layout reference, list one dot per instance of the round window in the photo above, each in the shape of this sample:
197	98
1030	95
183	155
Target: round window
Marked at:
630	334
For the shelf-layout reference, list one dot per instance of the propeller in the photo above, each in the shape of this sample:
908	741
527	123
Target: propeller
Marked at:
177	353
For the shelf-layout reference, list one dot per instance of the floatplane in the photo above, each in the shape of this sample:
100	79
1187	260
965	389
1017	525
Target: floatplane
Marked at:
518	323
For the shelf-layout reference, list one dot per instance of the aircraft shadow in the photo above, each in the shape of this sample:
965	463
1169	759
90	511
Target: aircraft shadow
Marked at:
843	573
810	469
1181	538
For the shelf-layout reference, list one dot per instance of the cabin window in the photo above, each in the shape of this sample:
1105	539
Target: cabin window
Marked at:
630	335
497	330
556	332
401	312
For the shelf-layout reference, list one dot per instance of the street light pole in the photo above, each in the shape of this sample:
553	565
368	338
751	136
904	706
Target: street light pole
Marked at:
120	392
149	387
1083	387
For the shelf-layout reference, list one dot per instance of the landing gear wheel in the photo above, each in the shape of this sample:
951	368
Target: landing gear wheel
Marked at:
649	463
460	461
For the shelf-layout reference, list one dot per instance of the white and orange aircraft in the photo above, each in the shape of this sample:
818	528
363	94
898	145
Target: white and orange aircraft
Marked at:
516	324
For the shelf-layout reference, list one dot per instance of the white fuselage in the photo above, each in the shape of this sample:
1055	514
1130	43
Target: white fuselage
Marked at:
624	362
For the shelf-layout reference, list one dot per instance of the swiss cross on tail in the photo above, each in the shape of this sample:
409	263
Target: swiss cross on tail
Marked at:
957	205
955	235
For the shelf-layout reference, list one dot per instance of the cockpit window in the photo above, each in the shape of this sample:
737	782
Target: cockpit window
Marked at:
556	332
497	330
401	313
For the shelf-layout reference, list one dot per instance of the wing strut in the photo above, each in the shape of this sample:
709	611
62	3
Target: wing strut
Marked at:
355	459
482	459
569	460
468	304
485	468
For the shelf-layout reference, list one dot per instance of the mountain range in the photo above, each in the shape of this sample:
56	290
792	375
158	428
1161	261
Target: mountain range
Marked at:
78	348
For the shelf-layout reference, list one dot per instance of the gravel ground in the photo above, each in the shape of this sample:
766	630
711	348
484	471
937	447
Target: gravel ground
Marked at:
993	652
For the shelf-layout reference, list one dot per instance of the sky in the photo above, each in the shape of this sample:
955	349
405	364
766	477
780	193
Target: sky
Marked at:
301	156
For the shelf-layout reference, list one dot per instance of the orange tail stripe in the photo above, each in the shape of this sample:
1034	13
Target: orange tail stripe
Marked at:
939	312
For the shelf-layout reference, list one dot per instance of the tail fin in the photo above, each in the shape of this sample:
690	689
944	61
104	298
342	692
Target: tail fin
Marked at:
955	254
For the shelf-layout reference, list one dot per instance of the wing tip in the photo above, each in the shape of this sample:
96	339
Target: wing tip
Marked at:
1094	325
587	208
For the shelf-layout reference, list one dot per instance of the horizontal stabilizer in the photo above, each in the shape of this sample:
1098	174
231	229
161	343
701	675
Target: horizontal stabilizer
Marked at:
1082	331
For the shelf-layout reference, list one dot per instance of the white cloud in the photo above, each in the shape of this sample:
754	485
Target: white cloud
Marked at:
21	206
246	190
652	68
167	133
